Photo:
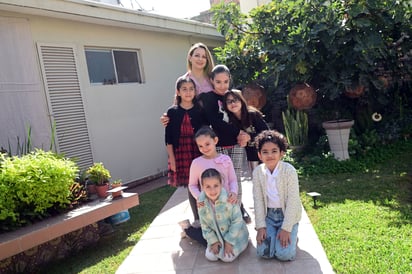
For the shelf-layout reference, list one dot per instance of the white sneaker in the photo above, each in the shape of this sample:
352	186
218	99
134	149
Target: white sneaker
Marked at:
196	224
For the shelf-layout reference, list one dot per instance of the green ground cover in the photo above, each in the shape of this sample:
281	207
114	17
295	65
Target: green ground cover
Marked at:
363	218
107	255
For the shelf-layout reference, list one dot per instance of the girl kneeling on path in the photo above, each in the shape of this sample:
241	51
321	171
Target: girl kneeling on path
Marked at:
222	223
206	141
276	198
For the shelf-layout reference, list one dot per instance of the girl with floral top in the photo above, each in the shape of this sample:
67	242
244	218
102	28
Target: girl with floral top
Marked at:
222	224
276	199
206	141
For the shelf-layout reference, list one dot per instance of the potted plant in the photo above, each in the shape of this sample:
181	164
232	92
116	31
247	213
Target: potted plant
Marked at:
296	127
100	176
338	137
83	180
115	184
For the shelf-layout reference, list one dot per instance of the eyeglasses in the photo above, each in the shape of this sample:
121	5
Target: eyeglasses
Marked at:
233	101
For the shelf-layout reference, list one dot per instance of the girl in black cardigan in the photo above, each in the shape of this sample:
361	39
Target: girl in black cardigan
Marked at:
186	117
246	118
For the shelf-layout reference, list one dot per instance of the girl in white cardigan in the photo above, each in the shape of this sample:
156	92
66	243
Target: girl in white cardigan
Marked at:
276	197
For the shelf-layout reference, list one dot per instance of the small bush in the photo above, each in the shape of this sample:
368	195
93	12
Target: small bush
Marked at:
32	184
364	159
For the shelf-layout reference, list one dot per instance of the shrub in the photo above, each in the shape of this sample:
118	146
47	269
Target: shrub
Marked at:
98	174
334	46
32	184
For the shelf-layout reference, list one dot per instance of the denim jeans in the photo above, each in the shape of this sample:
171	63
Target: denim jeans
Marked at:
271	246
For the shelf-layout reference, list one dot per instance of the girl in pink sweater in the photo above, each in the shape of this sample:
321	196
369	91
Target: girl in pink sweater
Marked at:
206	141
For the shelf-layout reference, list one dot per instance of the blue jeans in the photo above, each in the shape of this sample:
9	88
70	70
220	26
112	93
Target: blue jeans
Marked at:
271	247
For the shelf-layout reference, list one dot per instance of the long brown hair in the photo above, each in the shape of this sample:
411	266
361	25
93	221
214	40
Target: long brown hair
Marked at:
245	119
179	82
209	65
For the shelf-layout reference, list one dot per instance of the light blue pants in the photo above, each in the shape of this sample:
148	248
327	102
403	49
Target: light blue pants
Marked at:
271	247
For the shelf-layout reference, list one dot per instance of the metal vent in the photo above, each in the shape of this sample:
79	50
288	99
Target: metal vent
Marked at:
65	100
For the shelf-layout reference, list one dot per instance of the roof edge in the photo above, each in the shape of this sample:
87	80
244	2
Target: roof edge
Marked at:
106	14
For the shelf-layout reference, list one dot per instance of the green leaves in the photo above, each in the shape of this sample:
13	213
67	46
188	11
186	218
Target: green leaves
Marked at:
32	184
308	41
98	174
296	126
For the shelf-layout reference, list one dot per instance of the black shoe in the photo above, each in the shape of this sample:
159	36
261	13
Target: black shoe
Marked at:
245	215
196	234
247	219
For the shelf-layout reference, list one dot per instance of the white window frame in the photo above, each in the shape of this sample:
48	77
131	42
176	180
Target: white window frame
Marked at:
113	67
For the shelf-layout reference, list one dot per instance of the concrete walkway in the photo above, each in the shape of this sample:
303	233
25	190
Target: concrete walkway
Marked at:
162	250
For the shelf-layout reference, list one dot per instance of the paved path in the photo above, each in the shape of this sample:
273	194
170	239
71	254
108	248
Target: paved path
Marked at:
161	249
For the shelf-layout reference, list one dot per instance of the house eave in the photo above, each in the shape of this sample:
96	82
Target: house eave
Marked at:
105	14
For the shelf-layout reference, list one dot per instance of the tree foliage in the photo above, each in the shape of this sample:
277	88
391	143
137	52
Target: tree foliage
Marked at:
332	45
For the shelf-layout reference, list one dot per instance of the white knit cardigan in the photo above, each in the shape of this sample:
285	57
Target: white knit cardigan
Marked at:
288	188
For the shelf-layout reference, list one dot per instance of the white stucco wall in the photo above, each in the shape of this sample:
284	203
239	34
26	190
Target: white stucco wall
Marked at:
123	120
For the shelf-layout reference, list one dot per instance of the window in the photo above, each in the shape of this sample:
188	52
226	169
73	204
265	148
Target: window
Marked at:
110	66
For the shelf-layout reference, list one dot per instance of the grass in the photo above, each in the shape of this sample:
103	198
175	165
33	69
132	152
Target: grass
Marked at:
108	253
364	219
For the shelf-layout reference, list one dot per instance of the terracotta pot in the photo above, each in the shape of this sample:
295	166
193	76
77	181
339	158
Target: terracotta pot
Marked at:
355	92
254	95
102	190
385	80
302	96
117	193
91	188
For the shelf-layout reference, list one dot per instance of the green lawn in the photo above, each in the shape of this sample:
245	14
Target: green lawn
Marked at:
107	255
364	219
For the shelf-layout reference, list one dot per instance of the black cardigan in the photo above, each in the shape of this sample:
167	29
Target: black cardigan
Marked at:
227	133
175	114
258	125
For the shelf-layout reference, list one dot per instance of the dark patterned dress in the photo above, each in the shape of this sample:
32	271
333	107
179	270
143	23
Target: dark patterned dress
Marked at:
184	154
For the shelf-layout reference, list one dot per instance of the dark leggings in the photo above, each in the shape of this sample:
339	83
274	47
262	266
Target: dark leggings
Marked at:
193	204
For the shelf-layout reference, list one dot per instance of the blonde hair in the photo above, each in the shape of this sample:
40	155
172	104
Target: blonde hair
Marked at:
210	63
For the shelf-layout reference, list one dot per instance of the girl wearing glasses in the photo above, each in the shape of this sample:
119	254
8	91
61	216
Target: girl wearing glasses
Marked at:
246	118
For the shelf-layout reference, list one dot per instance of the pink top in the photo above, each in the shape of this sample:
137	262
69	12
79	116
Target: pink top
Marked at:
206	86
221	163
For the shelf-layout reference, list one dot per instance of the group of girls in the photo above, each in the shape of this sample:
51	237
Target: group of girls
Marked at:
223	126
